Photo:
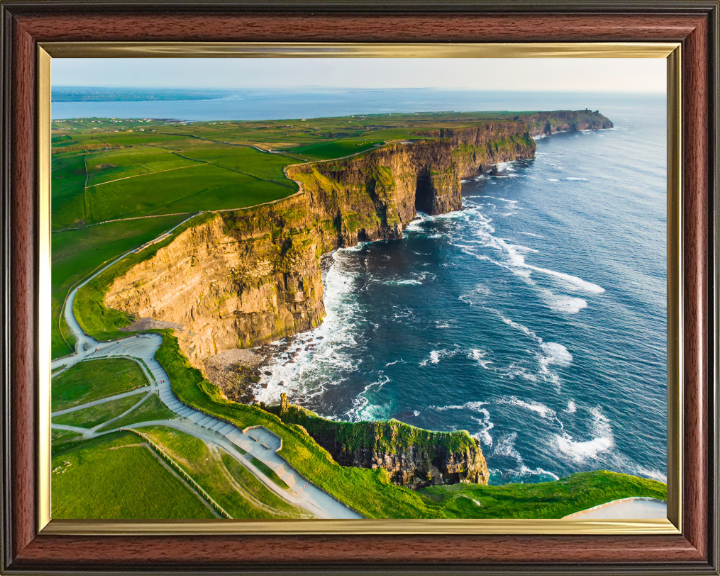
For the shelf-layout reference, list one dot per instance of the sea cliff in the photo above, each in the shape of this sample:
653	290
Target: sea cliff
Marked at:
250	276
253	275
413	457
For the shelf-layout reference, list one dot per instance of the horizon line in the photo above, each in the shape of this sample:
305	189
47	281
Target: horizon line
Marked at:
388	88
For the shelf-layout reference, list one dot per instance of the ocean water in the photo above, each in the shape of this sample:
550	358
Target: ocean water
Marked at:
534	318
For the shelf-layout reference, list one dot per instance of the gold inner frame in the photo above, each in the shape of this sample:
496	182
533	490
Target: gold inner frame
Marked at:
669	51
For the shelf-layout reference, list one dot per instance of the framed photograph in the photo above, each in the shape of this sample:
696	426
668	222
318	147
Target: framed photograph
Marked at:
371	289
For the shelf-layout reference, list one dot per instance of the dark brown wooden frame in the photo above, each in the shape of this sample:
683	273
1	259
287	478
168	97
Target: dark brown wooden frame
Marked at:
694	24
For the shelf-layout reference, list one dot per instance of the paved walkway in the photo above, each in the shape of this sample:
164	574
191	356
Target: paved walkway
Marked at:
256	441
626	509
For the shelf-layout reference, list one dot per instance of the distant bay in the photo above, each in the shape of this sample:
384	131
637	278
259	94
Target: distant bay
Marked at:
309	103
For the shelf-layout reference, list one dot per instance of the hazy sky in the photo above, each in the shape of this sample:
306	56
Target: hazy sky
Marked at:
572	74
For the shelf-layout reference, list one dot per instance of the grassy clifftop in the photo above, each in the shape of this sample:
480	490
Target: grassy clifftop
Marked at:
388	436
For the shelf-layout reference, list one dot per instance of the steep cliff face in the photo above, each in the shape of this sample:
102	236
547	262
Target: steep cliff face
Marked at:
547	123
375	195
252	276
412	457
233	282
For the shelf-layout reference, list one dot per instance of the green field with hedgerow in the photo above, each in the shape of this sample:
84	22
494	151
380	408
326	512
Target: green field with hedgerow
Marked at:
119	476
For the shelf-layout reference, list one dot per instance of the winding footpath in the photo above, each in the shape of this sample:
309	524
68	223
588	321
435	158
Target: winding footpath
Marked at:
254	441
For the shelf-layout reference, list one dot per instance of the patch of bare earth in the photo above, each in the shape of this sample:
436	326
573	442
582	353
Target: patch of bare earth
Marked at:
234	372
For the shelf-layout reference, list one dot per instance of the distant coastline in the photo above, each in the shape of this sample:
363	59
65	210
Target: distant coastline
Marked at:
88	94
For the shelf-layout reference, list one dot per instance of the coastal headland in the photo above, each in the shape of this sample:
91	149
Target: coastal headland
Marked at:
250	276
246	277
242	273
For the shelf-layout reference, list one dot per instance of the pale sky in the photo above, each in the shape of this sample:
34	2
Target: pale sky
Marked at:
511	74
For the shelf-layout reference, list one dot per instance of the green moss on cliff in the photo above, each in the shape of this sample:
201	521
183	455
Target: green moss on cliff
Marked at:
381	436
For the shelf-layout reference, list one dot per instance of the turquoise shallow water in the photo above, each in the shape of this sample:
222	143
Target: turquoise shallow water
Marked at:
535	318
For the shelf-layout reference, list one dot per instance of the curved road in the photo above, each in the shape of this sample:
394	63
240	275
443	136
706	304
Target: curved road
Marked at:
255	441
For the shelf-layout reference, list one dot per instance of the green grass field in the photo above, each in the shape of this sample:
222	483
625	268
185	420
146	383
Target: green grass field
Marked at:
257	489
116	476
95	379
99	413
61	439
543	500
206	466
270	473
151	409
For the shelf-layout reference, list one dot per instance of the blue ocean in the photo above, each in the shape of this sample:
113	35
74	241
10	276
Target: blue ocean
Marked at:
534	318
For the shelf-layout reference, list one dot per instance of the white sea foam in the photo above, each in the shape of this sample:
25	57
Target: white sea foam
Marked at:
436	355
516	371
505	446
476	405
573	179
654	474
319	357
476	296
553	180
562	303
480	356
554	354
515	255
579	451
483	434
404	282
363	410
537	407
571	407
524	329
572	282
525	471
